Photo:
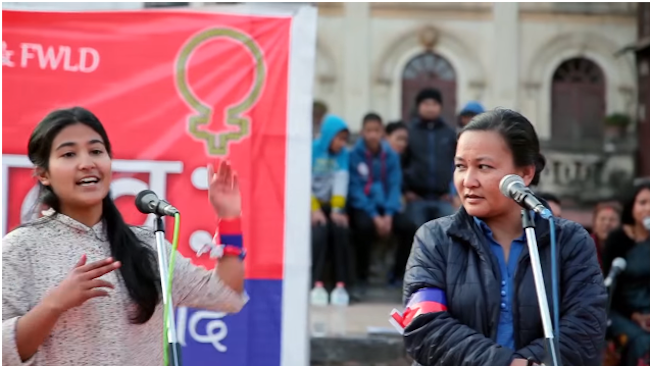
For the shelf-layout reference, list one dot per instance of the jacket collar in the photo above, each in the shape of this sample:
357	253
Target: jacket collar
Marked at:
436	123
465	228
360	147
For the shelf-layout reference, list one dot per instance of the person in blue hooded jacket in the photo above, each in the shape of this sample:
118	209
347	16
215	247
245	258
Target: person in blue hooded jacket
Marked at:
469	111
375	198
330	180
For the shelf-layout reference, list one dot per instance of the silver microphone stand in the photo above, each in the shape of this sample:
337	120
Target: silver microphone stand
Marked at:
174	355
552	348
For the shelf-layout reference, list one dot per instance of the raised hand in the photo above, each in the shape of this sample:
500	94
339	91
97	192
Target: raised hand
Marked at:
223	191
82	284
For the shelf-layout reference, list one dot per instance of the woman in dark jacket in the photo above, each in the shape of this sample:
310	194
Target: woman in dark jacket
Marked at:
472	269
630	311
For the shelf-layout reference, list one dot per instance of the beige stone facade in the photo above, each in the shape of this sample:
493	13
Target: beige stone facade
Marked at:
504	54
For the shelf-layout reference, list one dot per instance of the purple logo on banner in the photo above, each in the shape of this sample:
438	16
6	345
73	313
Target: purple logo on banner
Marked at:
250	338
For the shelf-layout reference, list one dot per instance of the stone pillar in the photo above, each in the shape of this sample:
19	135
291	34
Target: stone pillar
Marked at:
505	76
356	63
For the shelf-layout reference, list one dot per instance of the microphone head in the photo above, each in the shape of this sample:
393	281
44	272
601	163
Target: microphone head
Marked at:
507	182
619	262
143	199
646	223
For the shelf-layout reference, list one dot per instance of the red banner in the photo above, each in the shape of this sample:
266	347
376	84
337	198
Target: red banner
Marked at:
174	91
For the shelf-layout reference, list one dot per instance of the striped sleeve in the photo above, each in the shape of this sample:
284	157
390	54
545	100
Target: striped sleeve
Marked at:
315	204
425	301
230	232
340	190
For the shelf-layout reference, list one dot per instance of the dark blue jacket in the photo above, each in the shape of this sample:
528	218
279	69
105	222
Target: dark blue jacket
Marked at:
429	158
375	180
452	254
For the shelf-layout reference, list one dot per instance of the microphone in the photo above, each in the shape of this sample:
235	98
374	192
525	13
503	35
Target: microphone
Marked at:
646	223
618	266
512	186
148	202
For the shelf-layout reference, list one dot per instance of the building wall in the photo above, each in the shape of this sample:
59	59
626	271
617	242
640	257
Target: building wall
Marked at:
363	48
643	67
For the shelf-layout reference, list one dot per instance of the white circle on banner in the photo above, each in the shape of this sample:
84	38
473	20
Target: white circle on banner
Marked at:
362	168
200	178
201	242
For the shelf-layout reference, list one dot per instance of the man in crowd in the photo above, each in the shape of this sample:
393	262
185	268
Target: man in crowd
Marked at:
375	198
397	135
429	161
330	179
469	111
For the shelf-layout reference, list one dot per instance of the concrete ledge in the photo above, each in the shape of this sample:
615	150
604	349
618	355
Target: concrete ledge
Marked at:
359	351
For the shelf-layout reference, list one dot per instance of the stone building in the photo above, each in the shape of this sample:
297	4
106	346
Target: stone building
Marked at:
558	63
642	48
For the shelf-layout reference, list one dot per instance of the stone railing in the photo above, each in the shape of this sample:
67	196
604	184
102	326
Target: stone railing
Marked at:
610	8
586	174
433	6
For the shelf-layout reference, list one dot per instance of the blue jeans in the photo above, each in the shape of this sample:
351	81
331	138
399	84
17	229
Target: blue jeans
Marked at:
422	211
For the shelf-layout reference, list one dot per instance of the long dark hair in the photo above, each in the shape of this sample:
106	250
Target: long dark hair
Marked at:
138	260
627	215
519	134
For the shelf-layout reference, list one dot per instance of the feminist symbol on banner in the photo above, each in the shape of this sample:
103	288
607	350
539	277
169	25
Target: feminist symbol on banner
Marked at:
217	143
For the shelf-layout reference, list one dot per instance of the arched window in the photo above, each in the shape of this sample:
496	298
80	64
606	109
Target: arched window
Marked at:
429	70
578	101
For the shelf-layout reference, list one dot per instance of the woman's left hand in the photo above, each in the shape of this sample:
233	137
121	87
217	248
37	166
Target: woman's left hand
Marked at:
223	191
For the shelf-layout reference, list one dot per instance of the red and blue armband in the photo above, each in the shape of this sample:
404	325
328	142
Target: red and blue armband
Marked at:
424	301
228	239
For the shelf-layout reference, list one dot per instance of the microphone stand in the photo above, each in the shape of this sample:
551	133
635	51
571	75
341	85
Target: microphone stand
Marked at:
610	295
551	344
174	355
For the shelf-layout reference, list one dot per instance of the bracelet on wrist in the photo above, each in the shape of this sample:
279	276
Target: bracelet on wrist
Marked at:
228	238
229	232
229	251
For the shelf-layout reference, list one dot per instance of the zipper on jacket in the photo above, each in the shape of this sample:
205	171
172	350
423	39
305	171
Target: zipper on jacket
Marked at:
495	314
525	258
515	311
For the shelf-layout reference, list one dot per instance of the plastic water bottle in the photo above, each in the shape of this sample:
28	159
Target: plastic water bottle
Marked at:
319	299
340	300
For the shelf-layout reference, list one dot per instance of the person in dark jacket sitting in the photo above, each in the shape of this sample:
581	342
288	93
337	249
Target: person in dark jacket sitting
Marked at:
473	272
630	311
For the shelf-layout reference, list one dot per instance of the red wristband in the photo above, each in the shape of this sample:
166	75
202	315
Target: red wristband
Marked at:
230	250
229	226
